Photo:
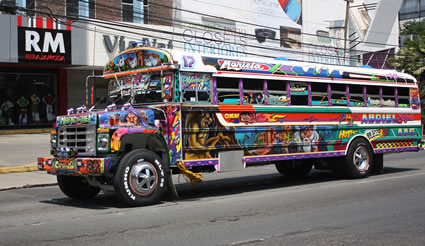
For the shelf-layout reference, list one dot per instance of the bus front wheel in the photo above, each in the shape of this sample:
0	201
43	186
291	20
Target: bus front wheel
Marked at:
140	178
358	159
294	168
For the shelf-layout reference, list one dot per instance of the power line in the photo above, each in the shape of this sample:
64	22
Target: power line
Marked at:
155	30
231	20
172	20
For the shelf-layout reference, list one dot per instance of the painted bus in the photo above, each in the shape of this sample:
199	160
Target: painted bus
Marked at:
172	112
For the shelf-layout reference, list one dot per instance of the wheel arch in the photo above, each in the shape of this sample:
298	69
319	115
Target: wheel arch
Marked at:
357	137
152	142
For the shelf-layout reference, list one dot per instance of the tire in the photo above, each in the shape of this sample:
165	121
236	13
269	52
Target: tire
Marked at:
294	168
378	164
77	187
358	159
140	178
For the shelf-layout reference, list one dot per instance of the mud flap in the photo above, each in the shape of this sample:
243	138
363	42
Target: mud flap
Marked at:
230	161
171	188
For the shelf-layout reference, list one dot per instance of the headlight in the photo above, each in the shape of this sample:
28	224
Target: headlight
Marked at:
103	142
53	141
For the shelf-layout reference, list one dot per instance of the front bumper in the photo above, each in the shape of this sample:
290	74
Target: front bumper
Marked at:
95	166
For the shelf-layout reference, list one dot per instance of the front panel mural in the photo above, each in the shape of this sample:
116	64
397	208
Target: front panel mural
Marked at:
207	131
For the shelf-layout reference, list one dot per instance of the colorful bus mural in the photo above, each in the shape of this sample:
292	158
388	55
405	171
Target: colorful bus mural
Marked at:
173	112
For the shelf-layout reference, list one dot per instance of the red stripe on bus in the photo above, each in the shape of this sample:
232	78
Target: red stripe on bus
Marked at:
236	108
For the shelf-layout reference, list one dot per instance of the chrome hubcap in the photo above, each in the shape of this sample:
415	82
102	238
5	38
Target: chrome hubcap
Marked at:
143	178
361	158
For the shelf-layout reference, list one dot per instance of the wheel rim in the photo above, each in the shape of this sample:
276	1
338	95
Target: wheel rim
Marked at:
361	158
143	178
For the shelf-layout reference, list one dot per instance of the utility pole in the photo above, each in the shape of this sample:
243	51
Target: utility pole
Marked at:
347	12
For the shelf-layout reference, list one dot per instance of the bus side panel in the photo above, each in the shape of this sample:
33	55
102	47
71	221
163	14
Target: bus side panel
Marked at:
203	135
280	133
208	130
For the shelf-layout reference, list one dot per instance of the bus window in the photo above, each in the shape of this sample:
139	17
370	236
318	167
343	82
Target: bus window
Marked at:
228	90
253	91
196	87
388	94
299	93
276	92
373	96
319	94
339	95
356	96
403	97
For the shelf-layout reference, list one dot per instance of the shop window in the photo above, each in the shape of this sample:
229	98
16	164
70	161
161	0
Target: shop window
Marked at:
403	97
276	92
27	98
228	90
338	95
299	93
319	94
253	90
388	96
196	87
356	96
373	96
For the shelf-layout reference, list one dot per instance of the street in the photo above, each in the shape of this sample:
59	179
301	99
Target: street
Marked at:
258	207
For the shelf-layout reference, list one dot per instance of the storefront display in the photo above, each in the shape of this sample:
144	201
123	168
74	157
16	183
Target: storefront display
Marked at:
27	97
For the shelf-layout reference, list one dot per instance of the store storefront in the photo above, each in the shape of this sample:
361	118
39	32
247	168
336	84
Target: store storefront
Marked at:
28	96
33	62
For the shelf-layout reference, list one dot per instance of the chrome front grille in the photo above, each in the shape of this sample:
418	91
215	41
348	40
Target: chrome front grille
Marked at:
81	138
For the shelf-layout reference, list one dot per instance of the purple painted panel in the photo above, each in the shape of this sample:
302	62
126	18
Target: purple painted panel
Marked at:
365	96
241	91
266	92
309	94
215	99
201	163
347	92
380	151
381	96
329	95
396	97
288	92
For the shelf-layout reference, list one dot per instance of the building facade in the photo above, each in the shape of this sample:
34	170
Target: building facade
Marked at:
44	52
53	46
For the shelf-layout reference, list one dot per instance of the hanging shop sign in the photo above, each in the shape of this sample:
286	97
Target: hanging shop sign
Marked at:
37	45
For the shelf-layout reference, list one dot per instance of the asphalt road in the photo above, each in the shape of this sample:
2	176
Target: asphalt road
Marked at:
258	208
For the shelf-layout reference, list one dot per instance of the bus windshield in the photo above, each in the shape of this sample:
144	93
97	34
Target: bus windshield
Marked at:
140	89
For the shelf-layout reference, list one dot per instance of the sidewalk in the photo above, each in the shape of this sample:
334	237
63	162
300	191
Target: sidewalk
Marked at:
19	150
18	180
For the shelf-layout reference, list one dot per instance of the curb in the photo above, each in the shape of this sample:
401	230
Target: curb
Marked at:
25	131
28	186
19	169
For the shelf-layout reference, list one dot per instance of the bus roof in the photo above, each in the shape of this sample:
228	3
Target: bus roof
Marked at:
228	66
146	59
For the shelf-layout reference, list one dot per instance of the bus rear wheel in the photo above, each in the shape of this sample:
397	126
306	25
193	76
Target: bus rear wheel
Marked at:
294	168
358	159
140	178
